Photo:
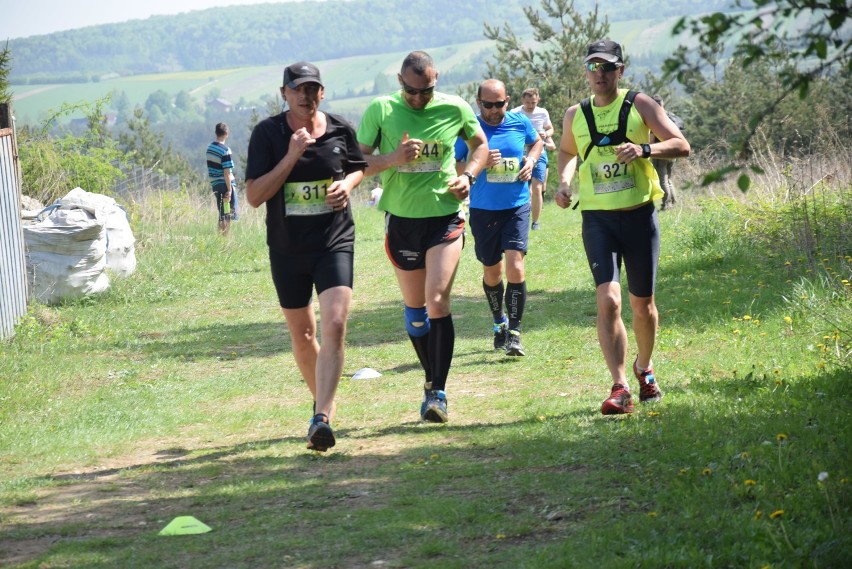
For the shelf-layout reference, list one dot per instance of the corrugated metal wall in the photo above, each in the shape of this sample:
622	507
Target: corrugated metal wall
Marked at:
13	275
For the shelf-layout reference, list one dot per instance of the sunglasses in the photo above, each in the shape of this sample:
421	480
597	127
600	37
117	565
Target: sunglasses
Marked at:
490	105
605	67
414	92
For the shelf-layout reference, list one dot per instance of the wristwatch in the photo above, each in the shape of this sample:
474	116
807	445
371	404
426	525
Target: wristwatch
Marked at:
646	151
470	177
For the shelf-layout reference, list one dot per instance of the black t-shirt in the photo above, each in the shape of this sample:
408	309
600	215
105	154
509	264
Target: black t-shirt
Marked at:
334	155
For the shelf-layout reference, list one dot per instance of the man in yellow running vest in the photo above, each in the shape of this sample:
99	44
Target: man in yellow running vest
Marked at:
611	131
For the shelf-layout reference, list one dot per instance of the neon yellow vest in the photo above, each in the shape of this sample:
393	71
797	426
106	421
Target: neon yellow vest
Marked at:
606	183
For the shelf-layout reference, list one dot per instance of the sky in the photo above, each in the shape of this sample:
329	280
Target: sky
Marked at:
23	18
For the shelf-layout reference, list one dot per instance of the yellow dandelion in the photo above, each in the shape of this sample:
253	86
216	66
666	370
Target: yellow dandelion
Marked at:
707	471
733	271
744	455
758	514
787	263
746	317
756	322
780	437
776	514
726	302
682	472
652	413
652	514
736	332
501	536
788	320
749	482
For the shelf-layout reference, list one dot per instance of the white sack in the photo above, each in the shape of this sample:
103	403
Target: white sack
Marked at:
120	248
66	256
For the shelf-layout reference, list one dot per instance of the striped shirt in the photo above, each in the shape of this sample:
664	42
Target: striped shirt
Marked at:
218	158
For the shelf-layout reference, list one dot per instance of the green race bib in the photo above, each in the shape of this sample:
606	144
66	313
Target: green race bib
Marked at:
505	172
430	160
612	177
307	198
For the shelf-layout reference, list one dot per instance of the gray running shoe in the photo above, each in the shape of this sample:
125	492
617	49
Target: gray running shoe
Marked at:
513	344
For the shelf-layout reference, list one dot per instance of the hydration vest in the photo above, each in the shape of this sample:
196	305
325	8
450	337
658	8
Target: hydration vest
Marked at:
619	135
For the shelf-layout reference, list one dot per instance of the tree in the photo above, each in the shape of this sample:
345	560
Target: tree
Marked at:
51	166
5	69
552	63
159	100
147	148
810	36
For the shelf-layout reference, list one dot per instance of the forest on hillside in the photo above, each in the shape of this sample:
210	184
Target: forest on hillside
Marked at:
265	34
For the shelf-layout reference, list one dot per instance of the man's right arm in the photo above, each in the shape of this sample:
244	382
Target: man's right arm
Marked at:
567	160
408	150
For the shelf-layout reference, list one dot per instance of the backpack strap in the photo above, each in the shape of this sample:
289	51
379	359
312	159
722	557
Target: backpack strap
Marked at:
619	135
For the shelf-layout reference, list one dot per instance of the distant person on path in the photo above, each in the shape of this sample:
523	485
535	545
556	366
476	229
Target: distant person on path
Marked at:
541	121
415	131
220	170
303	164
664	167
617	189
500	209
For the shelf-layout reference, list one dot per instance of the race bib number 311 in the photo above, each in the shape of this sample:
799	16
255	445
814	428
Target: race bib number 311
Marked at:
307	198
430	160
610	177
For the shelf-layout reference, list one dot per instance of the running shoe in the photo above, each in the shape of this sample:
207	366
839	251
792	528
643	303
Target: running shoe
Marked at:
648	389
500	332
513	344
320	435
434	407
618	402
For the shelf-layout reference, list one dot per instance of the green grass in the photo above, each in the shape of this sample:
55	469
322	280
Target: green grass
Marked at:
174	393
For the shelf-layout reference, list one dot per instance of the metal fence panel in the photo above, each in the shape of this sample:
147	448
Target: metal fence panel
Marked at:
13	275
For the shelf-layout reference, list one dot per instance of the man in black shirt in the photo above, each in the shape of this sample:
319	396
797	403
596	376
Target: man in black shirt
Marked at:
303	164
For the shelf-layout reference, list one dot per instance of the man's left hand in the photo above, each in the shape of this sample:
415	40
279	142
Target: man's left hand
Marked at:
459	187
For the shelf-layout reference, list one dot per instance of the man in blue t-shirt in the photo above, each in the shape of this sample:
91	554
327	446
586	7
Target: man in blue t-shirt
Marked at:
500	209
220	170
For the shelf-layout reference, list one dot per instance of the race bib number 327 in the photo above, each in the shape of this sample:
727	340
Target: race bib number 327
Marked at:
610	177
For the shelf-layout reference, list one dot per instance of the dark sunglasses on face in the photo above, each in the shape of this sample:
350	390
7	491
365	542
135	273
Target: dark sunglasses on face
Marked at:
489	104
606	67
414	92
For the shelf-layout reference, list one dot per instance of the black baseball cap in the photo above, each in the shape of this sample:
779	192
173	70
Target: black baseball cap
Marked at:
301	72
607	50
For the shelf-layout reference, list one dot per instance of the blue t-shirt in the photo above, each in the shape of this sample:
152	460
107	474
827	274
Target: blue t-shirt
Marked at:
498	187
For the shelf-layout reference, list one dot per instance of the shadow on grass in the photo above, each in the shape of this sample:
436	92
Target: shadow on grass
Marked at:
529	492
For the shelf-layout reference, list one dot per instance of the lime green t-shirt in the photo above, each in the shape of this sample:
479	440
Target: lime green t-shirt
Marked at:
419	188
606	183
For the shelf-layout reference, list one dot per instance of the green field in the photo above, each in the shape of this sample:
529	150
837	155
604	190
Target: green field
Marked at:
32	103
175	394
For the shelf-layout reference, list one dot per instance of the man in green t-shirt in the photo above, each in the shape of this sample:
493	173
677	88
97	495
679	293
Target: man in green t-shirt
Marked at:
414	131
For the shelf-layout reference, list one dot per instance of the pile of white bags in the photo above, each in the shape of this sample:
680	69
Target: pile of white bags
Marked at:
69	249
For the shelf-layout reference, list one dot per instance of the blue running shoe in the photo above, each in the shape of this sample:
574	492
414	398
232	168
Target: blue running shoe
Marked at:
434	407
320	435
500	332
